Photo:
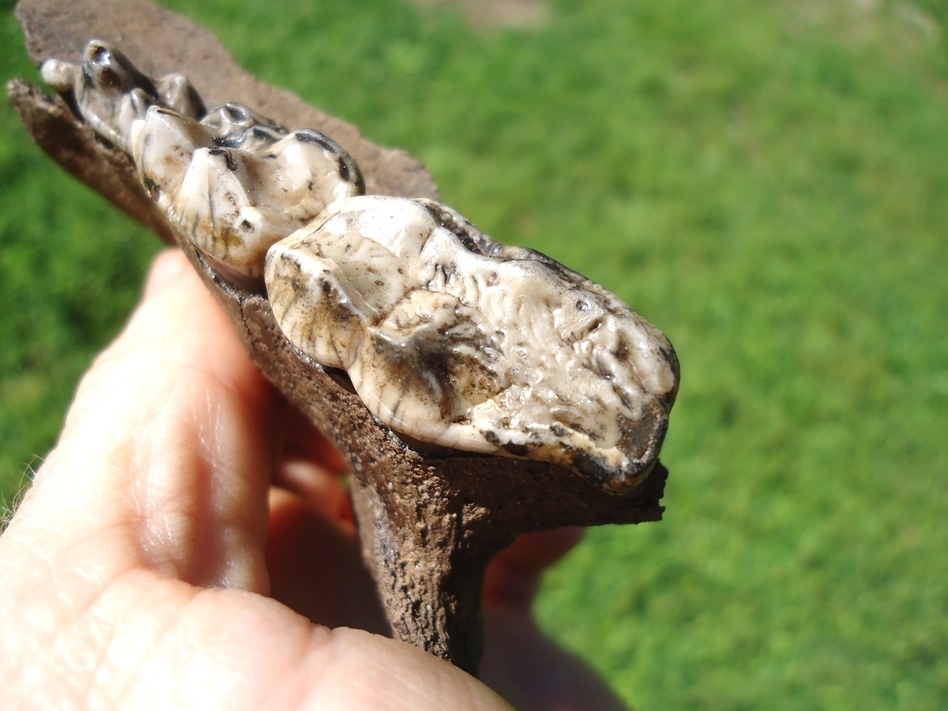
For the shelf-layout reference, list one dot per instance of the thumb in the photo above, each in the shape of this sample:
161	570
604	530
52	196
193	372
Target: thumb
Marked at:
168	447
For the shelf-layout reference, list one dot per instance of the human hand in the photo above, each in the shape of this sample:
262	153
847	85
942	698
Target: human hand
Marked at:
189	529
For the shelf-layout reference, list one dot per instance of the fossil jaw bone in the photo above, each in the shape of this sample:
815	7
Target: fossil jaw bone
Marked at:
448	336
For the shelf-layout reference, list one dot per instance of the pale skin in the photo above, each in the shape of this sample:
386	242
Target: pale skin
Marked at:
188	544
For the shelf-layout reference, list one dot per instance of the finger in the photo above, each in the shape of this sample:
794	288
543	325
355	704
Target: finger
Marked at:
315	565
322	488
311	468
529	670
256	654
513	576
167	453
304	440
168	266
150	643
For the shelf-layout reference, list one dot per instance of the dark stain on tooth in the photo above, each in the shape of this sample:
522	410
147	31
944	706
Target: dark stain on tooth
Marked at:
344	171
517	450
101	55
236	112
152	187
229	158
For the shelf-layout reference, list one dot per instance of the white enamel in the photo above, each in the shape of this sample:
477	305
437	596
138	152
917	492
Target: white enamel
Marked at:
448	336
463	342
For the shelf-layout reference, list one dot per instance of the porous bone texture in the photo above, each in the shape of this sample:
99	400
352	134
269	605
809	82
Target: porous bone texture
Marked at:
448	336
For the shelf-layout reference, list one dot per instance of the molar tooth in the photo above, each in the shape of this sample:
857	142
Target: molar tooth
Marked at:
162	150
175	92
486	361
238	126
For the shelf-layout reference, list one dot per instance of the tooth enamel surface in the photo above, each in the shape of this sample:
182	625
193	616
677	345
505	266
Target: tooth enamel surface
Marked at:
448	336
457	340
234	202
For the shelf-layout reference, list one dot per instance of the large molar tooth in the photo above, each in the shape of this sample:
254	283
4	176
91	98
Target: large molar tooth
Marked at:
494	357
305	295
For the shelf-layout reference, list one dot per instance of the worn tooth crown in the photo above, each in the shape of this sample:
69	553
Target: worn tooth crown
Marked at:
233	203
456	342
448	336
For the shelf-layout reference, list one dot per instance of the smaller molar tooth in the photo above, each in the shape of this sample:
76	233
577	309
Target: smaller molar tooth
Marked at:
234	203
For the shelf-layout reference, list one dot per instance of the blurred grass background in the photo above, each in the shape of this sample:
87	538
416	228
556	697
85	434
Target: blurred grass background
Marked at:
765	181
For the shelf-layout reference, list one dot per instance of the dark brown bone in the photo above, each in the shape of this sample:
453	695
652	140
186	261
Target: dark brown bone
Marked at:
430	520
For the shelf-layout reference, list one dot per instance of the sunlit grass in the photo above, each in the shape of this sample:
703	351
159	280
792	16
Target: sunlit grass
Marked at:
767	182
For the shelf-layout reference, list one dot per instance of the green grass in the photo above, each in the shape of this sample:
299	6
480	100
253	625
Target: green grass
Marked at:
70	269
767	182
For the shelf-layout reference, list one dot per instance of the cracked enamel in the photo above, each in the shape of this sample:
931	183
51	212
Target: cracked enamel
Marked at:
448	336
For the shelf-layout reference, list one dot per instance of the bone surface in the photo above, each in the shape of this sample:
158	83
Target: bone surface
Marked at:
448	336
